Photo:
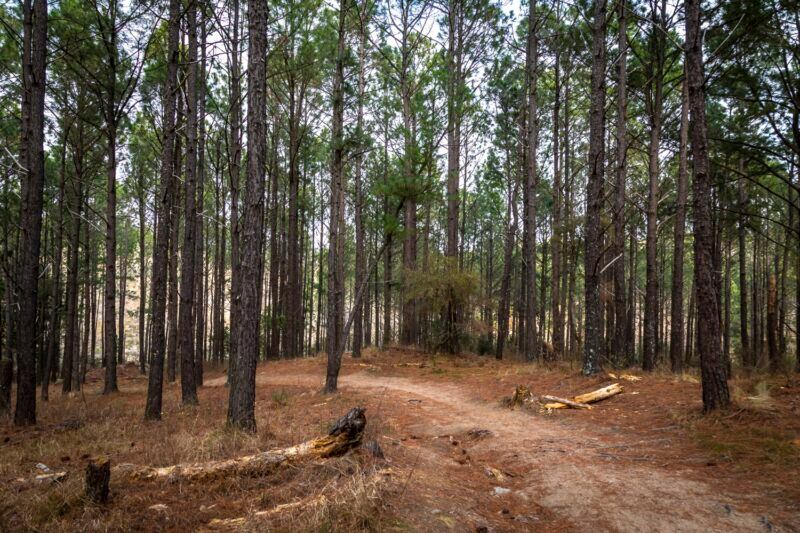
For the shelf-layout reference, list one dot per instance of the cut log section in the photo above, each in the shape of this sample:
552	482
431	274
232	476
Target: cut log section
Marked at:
589	397
568	403
345	434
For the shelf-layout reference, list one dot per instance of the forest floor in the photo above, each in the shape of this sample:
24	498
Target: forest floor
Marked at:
456	457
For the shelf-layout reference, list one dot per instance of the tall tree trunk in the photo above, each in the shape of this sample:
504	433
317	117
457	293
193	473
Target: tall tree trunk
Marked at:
165	201
235	152
188	254
747	357
593	243
557	316
109	293
409	311
123	279
71	332
531	348
387	261
336	225
712	368
201	272
172	283
772	324
676	316
292	287
508	256
241	403
654	106
54	341
620	312
274	256
32	158
358	326
142	273
88	252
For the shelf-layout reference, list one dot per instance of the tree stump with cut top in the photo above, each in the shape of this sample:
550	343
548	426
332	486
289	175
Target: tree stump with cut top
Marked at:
98	476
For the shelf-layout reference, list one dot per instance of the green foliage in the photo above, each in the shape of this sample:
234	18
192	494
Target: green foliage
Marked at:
442	289
442	285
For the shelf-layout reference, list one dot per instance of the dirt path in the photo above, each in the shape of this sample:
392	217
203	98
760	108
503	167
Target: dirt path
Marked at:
571	472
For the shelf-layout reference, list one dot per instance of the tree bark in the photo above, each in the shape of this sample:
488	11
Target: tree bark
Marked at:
241	403
109	34
32	158
336	225
654	71
772	324
712	368
593	243
165	201
142	198
71	333
189	253
358	326
676	316
201	272
235	153
618	218
123	279
54	341
747	357
531	349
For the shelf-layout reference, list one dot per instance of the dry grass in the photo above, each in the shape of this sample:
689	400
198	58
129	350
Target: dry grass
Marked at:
113	426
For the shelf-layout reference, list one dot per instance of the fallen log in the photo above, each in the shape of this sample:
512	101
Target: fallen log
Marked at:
589	397
345	434
568	403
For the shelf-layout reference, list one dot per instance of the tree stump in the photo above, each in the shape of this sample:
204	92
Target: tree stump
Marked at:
98	475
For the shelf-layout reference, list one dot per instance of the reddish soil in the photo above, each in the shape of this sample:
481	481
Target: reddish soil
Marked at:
643	460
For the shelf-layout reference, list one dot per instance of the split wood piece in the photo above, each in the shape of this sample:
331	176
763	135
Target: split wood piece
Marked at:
589	397
568	403
345	434
98	475
54	477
